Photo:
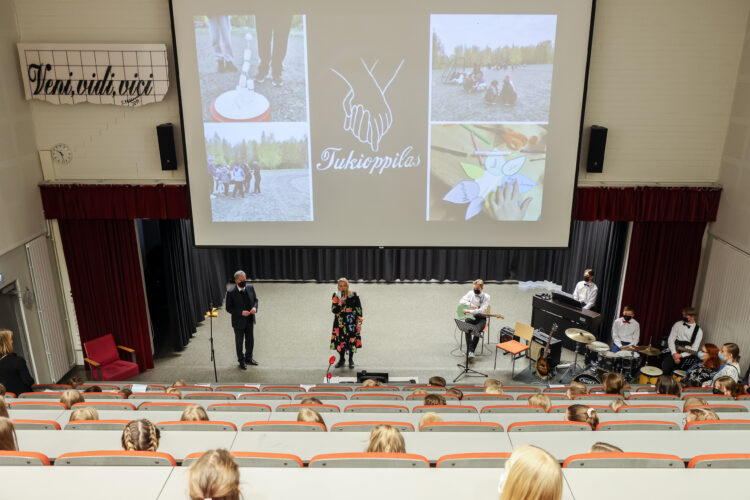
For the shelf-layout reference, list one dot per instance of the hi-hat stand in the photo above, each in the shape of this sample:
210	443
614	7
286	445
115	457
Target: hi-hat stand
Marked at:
474	330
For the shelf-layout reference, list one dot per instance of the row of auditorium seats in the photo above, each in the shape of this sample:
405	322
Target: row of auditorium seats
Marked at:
362	426
407	460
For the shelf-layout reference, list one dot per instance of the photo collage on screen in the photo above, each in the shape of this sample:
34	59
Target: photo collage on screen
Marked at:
253	85
490	88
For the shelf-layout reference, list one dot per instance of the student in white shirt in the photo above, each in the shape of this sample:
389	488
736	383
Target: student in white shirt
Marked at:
586	291
477	302
625	330
685	334
730	358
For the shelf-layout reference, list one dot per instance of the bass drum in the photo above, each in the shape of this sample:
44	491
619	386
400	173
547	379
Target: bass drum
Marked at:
589	376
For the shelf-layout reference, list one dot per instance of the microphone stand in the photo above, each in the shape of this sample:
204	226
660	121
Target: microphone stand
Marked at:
211	314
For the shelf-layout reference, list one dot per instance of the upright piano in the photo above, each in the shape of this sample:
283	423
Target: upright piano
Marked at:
545	312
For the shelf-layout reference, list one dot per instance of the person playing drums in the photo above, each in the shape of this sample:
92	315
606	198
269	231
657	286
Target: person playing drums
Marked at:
625	330
684	342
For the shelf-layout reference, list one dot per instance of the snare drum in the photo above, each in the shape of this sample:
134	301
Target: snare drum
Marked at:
592	351
649	374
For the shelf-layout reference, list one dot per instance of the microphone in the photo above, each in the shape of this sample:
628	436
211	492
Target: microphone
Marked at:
331	361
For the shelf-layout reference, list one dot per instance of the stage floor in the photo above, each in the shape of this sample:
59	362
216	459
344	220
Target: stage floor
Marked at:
408	330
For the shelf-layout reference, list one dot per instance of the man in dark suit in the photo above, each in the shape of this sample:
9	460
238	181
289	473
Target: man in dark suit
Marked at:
242	304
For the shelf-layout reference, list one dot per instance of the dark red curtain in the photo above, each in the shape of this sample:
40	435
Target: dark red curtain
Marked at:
662	268
109	201
105	280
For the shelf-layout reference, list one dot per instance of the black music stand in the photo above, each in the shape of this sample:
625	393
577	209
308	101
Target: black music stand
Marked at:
475	332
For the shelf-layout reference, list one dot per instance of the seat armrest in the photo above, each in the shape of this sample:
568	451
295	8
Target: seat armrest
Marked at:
129	350
94	364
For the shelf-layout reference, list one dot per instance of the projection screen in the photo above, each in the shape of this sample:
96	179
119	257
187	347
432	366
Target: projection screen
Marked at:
391	123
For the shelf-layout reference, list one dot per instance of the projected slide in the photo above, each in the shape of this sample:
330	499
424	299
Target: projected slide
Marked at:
391	123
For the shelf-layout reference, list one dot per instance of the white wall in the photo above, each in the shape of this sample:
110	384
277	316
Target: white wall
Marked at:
21	218
662	77
112	143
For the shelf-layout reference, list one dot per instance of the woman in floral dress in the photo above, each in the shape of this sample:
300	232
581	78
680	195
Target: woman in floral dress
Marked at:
347	322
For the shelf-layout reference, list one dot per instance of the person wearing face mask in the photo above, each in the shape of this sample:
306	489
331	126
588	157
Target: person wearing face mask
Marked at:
586	291
346	335
476	301
625	330
242	304
684	343
730	359
705	370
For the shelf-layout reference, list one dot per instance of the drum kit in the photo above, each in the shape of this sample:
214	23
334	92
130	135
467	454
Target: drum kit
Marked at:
598	360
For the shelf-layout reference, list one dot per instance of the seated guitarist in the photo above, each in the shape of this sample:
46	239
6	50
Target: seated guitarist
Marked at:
477	302
684	342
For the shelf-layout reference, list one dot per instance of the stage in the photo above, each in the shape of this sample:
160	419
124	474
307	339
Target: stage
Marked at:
408	330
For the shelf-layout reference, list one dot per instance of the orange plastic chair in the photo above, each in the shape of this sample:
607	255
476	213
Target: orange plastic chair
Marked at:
22	458
718	425
236	388
36	405
104	425
368	460
512	409
547	426
116	457
649	409
638	425
721	461
365	408
473	460
368	425
456	426
106	405
319	408
322	395
624	460
27	424
444	409
265	396
209	395
282	388
255	459
196	425
239	407
283	425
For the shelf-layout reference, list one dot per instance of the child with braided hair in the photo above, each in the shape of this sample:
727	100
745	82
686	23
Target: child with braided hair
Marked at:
140	435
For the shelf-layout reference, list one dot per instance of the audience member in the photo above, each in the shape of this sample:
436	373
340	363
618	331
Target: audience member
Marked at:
494	389
194	413
125	392
618	403
700	415
540	400
75	381
71	397
371	382
2	390
694	401
613	383
456	392
140	435
604	448
179	383
310	400
531	474
437	381
214	475
665	384
575	389
14	374
174	390
728	387
492	381
730	355
3	408
582	413
310	415
429	418
386	439
93	388
704	371
434	399
84	413
8	440
419	392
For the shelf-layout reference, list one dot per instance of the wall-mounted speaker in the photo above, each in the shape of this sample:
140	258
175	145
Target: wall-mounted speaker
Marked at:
597	143
167	152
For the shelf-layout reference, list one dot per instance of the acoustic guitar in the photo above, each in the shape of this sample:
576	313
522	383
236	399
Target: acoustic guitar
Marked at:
542	364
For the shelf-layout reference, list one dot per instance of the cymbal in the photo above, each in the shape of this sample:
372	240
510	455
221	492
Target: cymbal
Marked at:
649	351
581	336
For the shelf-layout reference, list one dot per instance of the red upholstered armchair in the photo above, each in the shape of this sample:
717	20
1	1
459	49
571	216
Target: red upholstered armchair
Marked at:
104	360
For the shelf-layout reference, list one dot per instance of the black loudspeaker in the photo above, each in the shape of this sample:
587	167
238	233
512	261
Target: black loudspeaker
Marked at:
165	134
597	142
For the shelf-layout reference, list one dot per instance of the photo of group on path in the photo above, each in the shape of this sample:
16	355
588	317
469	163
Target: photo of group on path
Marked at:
257	175
492	68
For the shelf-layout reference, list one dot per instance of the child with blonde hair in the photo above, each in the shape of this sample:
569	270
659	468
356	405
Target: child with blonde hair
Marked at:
84	413
194	413
582	413
386	439
174	390
371	382
310	400
429	418
531	474
71	397
420	392
540	400
575	389
310	415
700	414
8	440
618	403
613	383
3	408
695	401
604	448
214	475
494	389
140	435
